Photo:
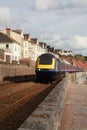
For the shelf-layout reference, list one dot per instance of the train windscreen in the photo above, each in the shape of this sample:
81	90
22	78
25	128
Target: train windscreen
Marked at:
46	60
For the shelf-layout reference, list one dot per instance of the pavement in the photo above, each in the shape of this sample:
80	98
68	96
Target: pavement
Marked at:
75	109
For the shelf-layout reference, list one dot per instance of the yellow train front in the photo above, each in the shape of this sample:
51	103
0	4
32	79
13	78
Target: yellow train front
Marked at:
46	67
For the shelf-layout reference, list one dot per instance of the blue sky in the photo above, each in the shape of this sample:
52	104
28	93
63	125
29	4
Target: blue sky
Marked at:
60	24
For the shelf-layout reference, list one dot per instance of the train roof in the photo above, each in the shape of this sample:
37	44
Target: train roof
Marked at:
47	55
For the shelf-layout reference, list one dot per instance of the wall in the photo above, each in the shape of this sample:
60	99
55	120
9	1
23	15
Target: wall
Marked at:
12	72
47	115
79	75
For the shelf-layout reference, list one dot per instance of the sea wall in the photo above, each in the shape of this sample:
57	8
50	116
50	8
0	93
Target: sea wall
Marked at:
47	115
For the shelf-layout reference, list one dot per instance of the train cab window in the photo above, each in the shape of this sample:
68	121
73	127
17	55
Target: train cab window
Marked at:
45	60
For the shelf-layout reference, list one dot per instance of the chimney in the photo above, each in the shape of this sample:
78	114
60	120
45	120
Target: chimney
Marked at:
8	30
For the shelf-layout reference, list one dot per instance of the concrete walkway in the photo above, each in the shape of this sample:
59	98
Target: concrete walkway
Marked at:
75	108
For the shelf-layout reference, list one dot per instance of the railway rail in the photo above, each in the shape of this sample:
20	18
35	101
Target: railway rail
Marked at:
18	100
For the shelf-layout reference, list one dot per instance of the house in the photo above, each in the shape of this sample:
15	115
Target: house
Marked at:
28	39
37	48
34	49
25	46
17	35
30	48
64	52
43	47
10	47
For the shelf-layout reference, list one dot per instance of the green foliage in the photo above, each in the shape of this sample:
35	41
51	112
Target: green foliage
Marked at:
79	57
85	57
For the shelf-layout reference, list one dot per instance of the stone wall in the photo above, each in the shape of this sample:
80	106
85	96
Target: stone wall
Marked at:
47	115
8	72
80	74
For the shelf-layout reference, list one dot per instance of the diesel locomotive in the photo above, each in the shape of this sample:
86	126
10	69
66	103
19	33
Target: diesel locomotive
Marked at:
49	67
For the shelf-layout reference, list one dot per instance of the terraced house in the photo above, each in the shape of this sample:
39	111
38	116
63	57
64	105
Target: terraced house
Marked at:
10	49
17	46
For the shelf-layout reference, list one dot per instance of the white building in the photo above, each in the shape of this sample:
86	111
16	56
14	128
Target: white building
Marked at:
11	48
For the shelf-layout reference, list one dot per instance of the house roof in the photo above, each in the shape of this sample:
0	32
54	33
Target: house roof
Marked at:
41	44
17	31
26	36
6	38
34	40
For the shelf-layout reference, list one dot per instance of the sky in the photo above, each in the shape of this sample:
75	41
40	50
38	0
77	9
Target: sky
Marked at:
62	24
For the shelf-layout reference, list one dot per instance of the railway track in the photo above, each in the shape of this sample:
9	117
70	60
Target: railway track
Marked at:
10	108
19	100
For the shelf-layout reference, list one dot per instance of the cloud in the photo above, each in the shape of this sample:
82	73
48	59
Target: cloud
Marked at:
5	14
77	43
42	4
81	3
19	4
51	21
62	7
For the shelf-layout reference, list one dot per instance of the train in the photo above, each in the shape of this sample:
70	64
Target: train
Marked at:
50	67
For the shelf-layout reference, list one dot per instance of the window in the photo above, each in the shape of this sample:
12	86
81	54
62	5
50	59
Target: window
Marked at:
46	60
7	45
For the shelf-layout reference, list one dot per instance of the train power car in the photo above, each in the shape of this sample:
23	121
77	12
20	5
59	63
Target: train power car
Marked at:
49	67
